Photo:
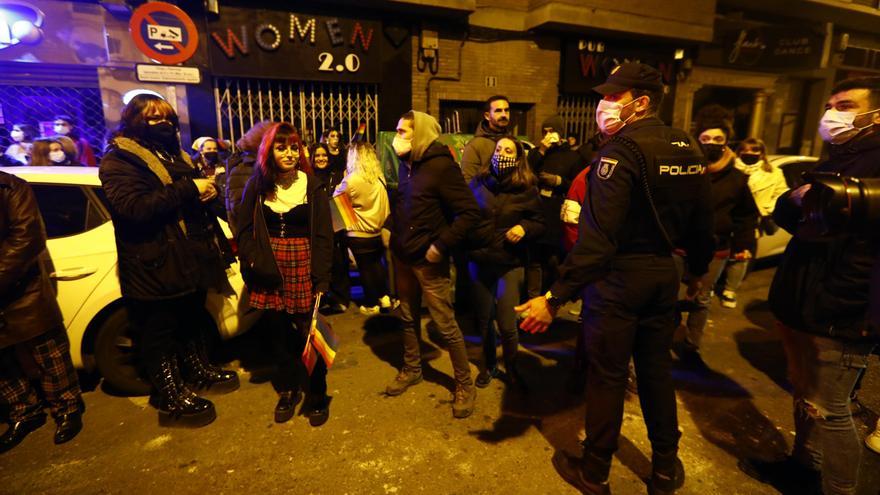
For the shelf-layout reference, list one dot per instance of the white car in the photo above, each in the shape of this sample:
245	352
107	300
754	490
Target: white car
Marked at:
793	167
83	249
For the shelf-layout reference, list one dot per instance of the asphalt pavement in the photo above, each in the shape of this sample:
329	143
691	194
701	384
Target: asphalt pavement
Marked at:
732	405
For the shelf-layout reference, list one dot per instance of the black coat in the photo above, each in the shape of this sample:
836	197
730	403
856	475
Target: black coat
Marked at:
258	267
27	301
239	168
822	286
735	213
433	205
567	164
158	259
503	206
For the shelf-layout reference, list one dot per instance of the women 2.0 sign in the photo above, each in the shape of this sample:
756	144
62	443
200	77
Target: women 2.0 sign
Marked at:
288	45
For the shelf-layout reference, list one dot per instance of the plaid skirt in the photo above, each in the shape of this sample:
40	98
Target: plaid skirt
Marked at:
294	257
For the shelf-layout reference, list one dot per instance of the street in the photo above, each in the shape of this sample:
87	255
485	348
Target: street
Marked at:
734	407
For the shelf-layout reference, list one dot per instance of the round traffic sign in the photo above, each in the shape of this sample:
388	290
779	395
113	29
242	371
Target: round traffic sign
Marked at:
163	32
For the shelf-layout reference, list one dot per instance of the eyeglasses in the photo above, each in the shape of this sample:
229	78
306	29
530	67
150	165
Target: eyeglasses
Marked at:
156	120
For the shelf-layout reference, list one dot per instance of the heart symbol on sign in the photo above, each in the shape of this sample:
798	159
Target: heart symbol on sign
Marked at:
397	35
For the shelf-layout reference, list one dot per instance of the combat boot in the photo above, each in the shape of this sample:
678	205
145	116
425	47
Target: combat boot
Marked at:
201	375
589	474
177	405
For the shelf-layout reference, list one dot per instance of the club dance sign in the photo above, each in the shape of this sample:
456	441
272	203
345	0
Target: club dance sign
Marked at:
286	45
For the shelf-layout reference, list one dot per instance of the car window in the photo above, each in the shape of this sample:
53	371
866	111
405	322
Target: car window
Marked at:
67	210
794	172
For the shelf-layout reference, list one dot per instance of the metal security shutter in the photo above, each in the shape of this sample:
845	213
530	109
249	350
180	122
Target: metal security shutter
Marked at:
579	114
36	93
307	105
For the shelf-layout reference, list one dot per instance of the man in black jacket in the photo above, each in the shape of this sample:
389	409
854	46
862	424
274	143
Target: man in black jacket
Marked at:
556	165
31	325
820	295
433	213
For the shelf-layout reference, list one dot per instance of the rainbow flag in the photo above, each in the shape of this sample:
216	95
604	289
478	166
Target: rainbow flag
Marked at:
321	341
341	212
360	134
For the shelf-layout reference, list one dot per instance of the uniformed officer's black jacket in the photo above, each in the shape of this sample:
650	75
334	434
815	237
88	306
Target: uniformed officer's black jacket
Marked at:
616	219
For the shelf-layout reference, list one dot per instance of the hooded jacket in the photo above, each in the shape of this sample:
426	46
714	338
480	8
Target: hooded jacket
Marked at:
766	186
433	203
822	286
239	169
369	200
27	301
479	150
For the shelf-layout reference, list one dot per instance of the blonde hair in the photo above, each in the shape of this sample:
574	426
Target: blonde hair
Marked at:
362	158
761	148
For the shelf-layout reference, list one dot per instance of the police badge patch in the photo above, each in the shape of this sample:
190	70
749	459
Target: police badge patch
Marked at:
606	167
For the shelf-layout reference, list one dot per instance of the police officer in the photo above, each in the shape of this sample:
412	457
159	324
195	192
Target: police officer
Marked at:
647	195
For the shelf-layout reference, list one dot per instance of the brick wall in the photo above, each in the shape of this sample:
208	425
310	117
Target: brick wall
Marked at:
526	72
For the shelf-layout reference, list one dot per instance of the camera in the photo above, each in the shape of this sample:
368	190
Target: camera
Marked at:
836	204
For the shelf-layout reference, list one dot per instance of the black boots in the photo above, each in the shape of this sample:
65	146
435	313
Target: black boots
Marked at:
68	426
177	405
588	474
203	376
287	402
667	474
18	431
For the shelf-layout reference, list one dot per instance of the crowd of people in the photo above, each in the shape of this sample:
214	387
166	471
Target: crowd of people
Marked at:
608	222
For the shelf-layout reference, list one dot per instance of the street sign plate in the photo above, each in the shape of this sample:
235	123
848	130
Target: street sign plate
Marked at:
163	32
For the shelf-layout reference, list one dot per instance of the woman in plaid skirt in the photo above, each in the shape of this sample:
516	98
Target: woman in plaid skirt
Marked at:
285	241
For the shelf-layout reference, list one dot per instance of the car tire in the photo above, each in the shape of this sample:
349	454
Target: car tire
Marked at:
116	355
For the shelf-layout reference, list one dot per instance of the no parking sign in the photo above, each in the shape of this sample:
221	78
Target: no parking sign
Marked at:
163	32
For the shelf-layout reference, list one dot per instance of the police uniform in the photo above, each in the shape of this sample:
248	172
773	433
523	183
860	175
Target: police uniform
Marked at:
623	261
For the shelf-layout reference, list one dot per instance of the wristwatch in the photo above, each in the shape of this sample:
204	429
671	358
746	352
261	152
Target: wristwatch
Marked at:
553	301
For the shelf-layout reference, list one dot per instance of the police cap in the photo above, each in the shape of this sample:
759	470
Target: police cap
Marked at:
631	75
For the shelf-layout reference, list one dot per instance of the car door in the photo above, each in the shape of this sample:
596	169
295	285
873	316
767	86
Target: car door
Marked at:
81	241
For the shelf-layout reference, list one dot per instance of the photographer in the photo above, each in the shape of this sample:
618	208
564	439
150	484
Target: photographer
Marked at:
820	296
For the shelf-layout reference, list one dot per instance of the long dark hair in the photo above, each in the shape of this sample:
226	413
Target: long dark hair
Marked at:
133	124
266	171
523	175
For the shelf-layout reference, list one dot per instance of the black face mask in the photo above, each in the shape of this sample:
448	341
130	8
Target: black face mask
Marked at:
211	157
750	158
163	133
713	152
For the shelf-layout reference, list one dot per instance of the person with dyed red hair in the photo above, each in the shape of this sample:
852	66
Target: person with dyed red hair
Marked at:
285	241
171	252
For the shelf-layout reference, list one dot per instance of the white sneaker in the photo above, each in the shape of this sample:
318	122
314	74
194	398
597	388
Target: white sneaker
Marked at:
728	299
386	304
369	310
873	440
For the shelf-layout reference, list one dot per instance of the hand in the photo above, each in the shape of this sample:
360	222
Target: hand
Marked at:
434	255
515	234
797	196
743	255
207	190
538	315
694	286
549	179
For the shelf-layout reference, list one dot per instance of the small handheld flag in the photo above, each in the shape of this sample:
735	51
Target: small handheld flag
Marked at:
342	212
320	341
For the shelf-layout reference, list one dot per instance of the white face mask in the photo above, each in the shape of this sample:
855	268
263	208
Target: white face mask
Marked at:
16	136
401	146
62	129
608	116
837	127
57	156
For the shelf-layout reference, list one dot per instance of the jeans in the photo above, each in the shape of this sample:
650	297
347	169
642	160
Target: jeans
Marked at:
368	253
340	282
431	281
630	313
496	288
699	316
736	272
823	372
